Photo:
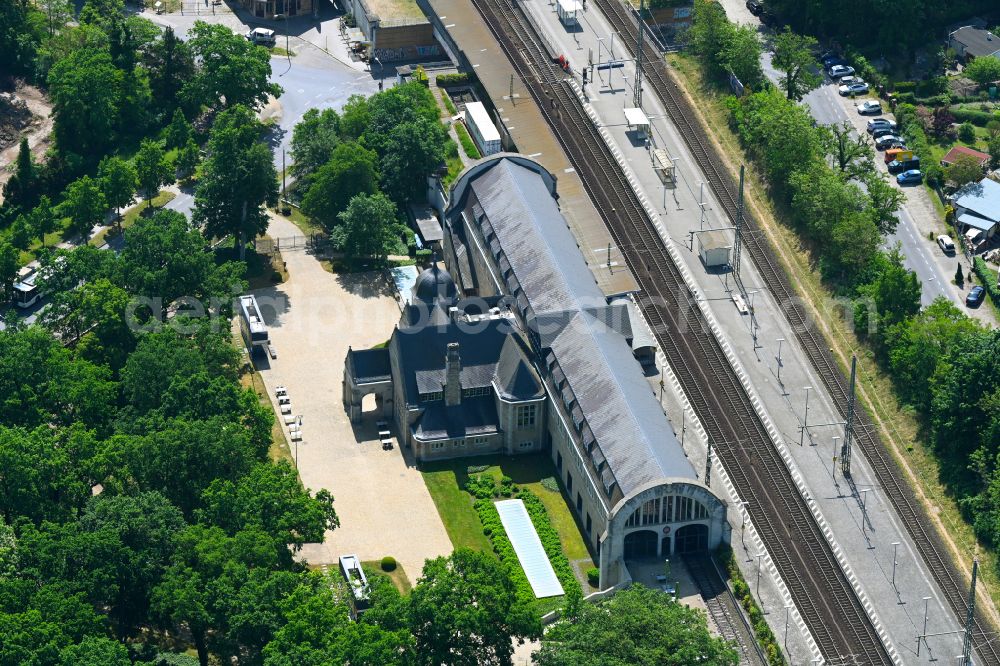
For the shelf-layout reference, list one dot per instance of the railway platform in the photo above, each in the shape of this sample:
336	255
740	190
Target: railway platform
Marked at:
872	541
471	44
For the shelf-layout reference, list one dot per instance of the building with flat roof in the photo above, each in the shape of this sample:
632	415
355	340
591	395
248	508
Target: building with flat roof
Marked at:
517	349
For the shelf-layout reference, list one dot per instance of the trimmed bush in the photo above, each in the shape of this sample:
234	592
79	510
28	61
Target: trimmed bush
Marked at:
986	279
476	469
468	145
388	563
550	483
456	79
966	115
967	132
594	576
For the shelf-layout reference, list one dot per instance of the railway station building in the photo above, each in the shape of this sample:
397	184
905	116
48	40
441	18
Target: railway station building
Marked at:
516	349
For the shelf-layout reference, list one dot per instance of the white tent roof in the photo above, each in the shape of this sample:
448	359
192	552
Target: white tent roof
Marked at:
635	116
528	548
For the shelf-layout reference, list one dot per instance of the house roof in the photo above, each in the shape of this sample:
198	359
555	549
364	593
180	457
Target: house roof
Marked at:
603	389
514	378
982	198
474	416
976	222
369	365
958	151
977	41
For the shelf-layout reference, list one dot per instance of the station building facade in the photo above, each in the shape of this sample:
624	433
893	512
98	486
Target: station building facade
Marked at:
517	350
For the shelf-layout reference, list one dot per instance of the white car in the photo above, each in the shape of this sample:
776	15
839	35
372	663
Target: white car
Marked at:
858	88
869	106
838	71
946	244
261	36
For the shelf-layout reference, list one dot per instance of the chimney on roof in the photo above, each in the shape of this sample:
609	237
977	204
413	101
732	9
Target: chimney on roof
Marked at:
453	380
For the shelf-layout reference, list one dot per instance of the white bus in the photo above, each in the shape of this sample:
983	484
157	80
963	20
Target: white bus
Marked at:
26	292
252	324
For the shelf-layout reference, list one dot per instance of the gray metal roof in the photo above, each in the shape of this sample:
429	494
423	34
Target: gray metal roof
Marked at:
978	42
603	385
474	416
982	198
369	365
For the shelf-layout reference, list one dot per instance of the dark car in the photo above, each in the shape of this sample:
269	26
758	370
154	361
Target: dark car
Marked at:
897	166
829	59
888	141
975	297
882	130
755	7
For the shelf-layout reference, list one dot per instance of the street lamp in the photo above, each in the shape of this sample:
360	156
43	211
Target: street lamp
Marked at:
288	53
895	546
805	419
760	556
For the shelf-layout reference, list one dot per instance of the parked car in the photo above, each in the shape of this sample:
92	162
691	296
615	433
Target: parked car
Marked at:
889	141
869	106
911	177
838	71
899	166
879	132
755	7
261	36
946	244
854	89
875	123
830	58
975	297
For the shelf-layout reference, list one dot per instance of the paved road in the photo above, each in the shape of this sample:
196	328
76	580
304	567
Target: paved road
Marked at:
921	255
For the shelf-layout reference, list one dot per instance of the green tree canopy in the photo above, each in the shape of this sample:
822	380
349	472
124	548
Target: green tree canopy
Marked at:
793	55
179	131
965	170
84	205
351	170
465	611
152	169
984	70
366	227
615	633
170	64
314	139
238	179
232	71
741	55
86	90
119	181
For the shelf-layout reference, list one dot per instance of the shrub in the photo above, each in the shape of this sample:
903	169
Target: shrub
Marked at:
423	256
934	174
455	79
468	145
966	115
481	486
594	576
476	469
967	132
987	279
388	563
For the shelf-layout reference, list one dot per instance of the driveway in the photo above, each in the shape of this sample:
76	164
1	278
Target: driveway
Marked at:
383	504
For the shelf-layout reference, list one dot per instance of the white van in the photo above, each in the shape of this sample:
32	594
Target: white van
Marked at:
261	36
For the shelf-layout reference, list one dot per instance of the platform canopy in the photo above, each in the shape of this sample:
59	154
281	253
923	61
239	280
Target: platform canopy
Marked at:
636	117
569	7
528	548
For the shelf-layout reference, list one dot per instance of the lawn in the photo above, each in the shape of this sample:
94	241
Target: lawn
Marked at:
397	576
131	215
445	480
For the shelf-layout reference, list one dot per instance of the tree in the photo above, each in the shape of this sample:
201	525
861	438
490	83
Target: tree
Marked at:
966	169
941	121
119	181
170	64
967	132
741	55
710	31
313	141
465	610
9	266
84	205
43	219
793	55
231	69
354	118
412	151
366	227
21	232
895	294
188	159
852	153
20	190
855	243
238	179
86	91
179	131
57	14
884	201
350	171
152	168
984	70
21	30
95	651
959	276
993	147
598	635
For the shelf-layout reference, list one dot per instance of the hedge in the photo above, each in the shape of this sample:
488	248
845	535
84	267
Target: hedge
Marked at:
468	145
594	576
986	279
485	489
455	79
974	116
741	589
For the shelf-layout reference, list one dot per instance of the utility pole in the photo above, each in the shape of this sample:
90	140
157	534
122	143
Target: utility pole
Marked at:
738	243
845	455
967	648
638	59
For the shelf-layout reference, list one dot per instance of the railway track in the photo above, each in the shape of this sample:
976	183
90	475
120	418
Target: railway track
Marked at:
724	610
799	550
887	473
